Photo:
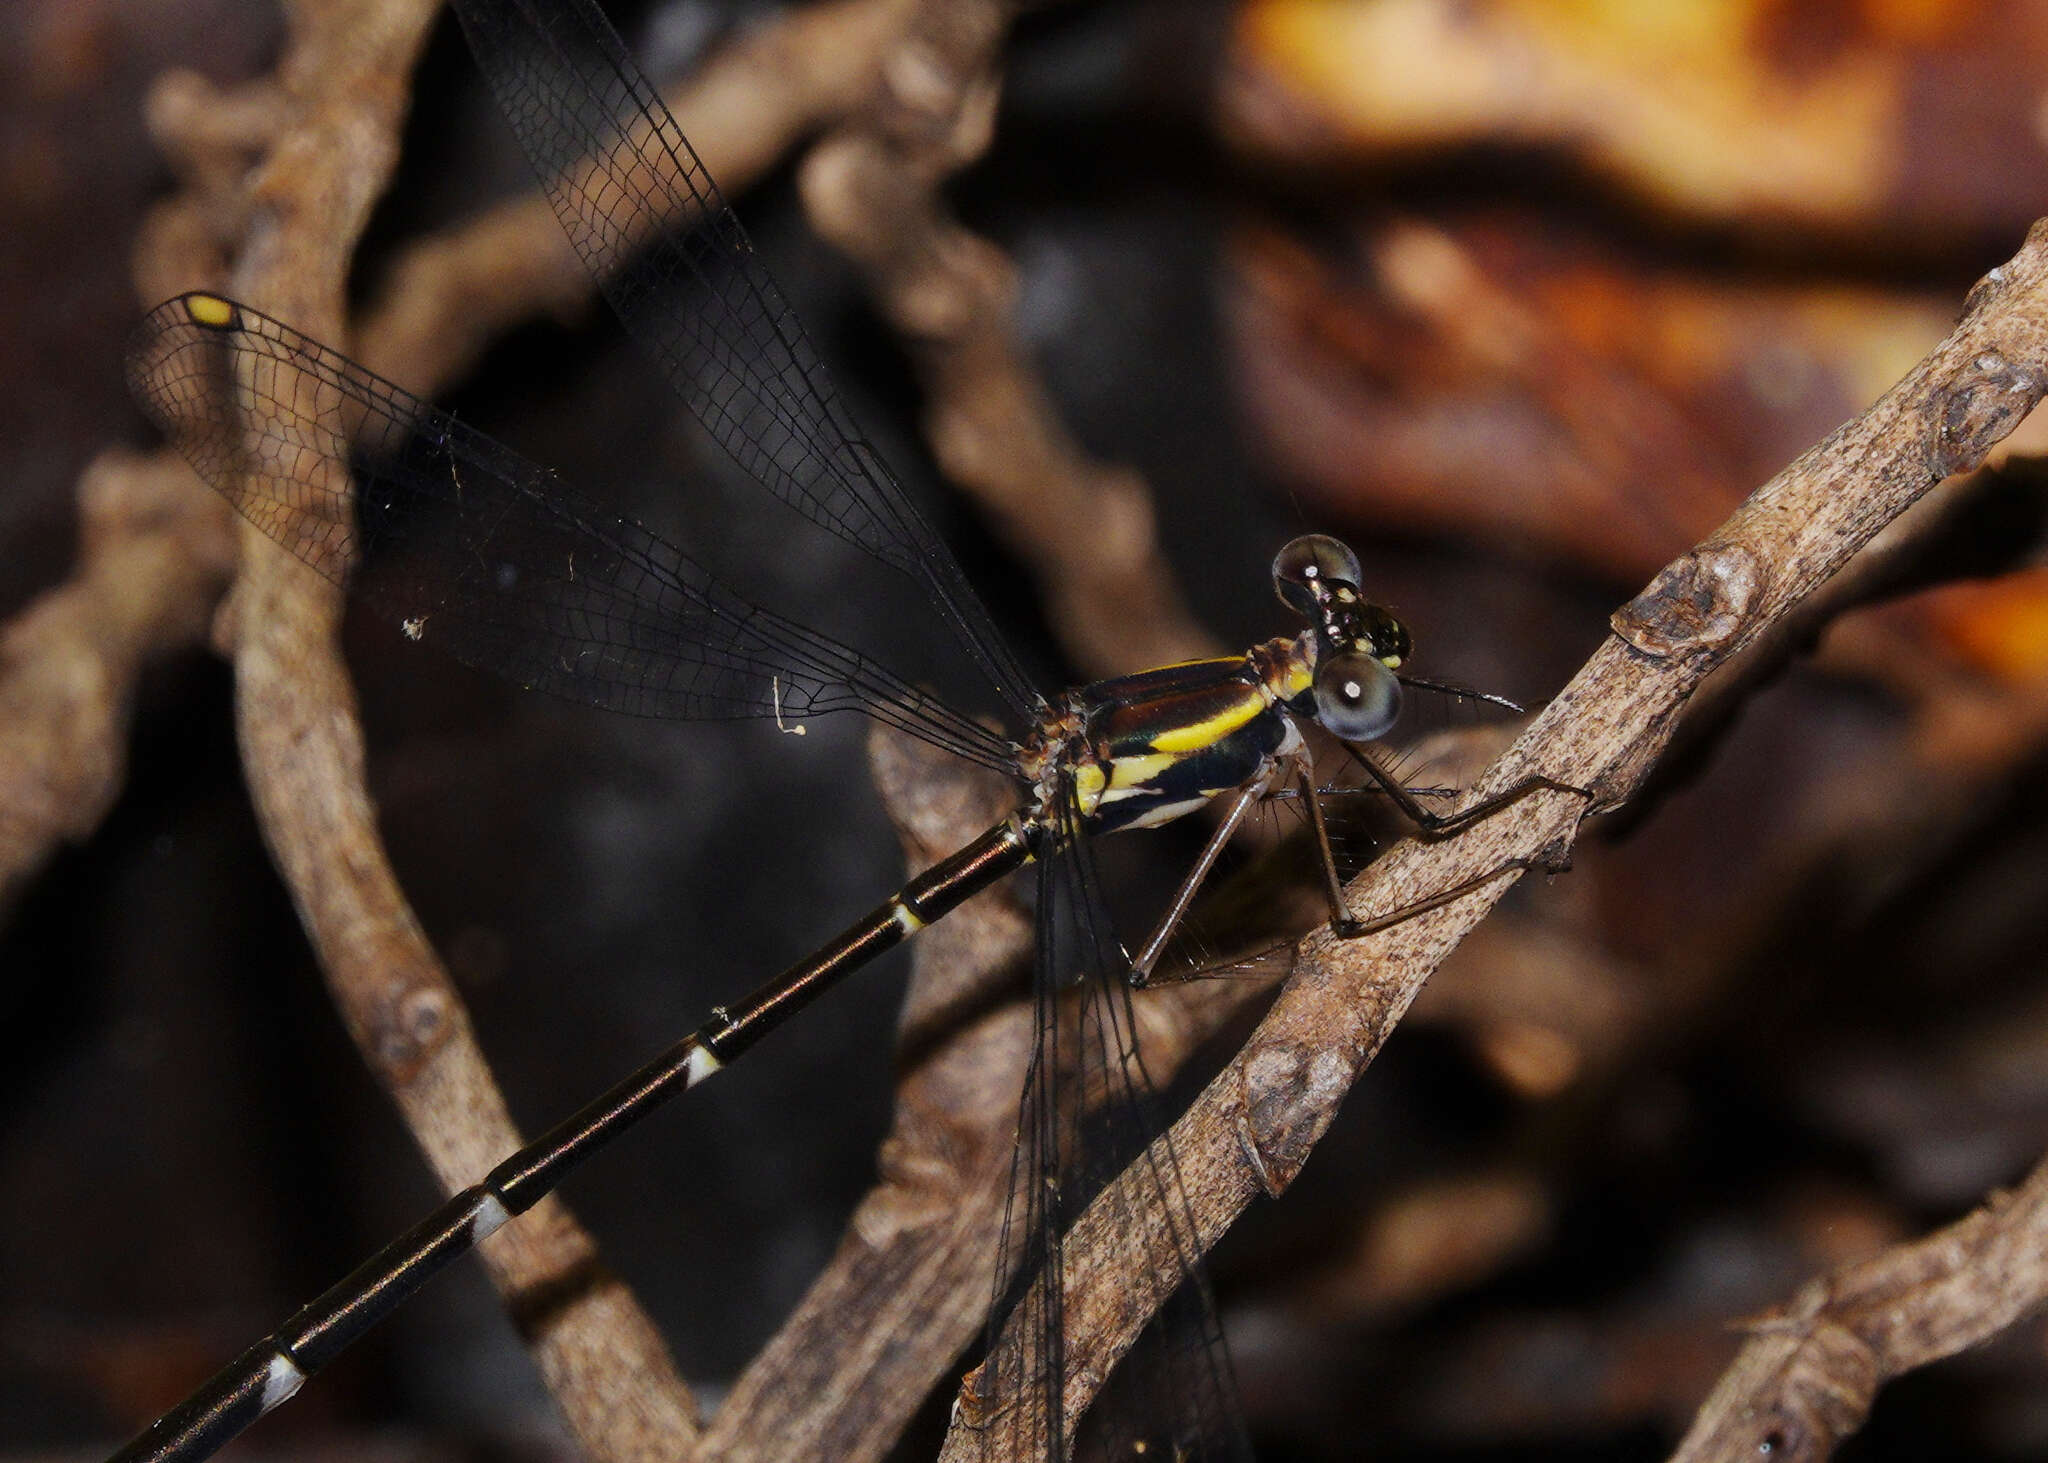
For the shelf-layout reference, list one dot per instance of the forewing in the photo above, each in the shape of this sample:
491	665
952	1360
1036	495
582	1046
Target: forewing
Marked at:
679	270
466	545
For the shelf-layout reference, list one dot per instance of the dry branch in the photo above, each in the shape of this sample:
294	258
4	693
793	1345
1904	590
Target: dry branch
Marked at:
448	296
154	558
905	1293
1807	1376
1254	1125
873	190
344	78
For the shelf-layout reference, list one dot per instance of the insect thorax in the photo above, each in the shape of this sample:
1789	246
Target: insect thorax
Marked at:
1145	749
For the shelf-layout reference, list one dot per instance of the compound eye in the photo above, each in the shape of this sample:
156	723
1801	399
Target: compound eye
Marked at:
1312	559
1389	637
1357	698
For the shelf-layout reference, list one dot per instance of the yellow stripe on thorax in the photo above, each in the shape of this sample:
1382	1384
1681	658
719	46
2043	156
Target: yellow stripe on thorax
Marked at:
1210	729
1127	772
1088	786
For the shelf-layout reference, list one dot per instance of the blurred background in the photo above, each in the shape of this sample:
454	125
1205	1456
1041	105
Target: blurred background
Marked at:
1521	299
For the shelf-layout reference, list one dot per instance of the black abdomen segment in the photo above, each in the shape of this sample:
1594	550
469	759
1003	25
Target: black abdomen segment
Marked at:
275	1367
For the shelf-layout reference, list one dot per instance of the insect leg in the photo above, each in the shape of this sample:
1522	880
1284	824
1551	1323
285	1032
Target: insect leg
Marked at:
1240	805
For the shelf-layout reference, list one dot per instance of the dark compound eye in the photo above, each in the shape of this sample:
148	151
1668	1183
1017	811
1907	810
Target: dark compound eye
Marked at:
1357	698
1389	636
1312	559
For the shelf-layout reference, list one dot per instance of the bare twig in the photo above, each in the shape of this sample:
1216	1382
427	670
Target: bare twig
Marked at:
873	190
155	556
1253	1127
1807	1376
923	1244
449	295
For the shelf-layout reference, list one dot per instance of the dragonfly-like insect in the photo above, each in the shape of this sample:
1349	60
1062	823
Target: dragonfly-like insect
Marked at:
470	547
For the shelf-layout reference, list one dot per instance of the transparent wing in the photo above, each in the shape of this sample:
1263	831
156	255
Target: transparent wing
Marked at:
469	546
1087	1132
679	270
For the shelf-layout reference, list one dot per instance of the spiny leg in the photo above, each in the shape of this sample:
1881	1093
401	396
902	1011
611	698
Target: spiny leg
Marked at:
1355	928
1341	921
1438	825
1148	958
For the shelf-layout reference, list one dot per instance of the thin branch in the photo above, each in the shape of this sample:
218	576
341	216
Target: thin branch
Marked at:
154	559
906	1293
873	190
1807	1376
449	295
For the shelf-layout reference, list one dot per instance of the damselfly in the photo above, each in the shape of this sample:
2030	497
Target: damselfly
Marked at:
467	546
